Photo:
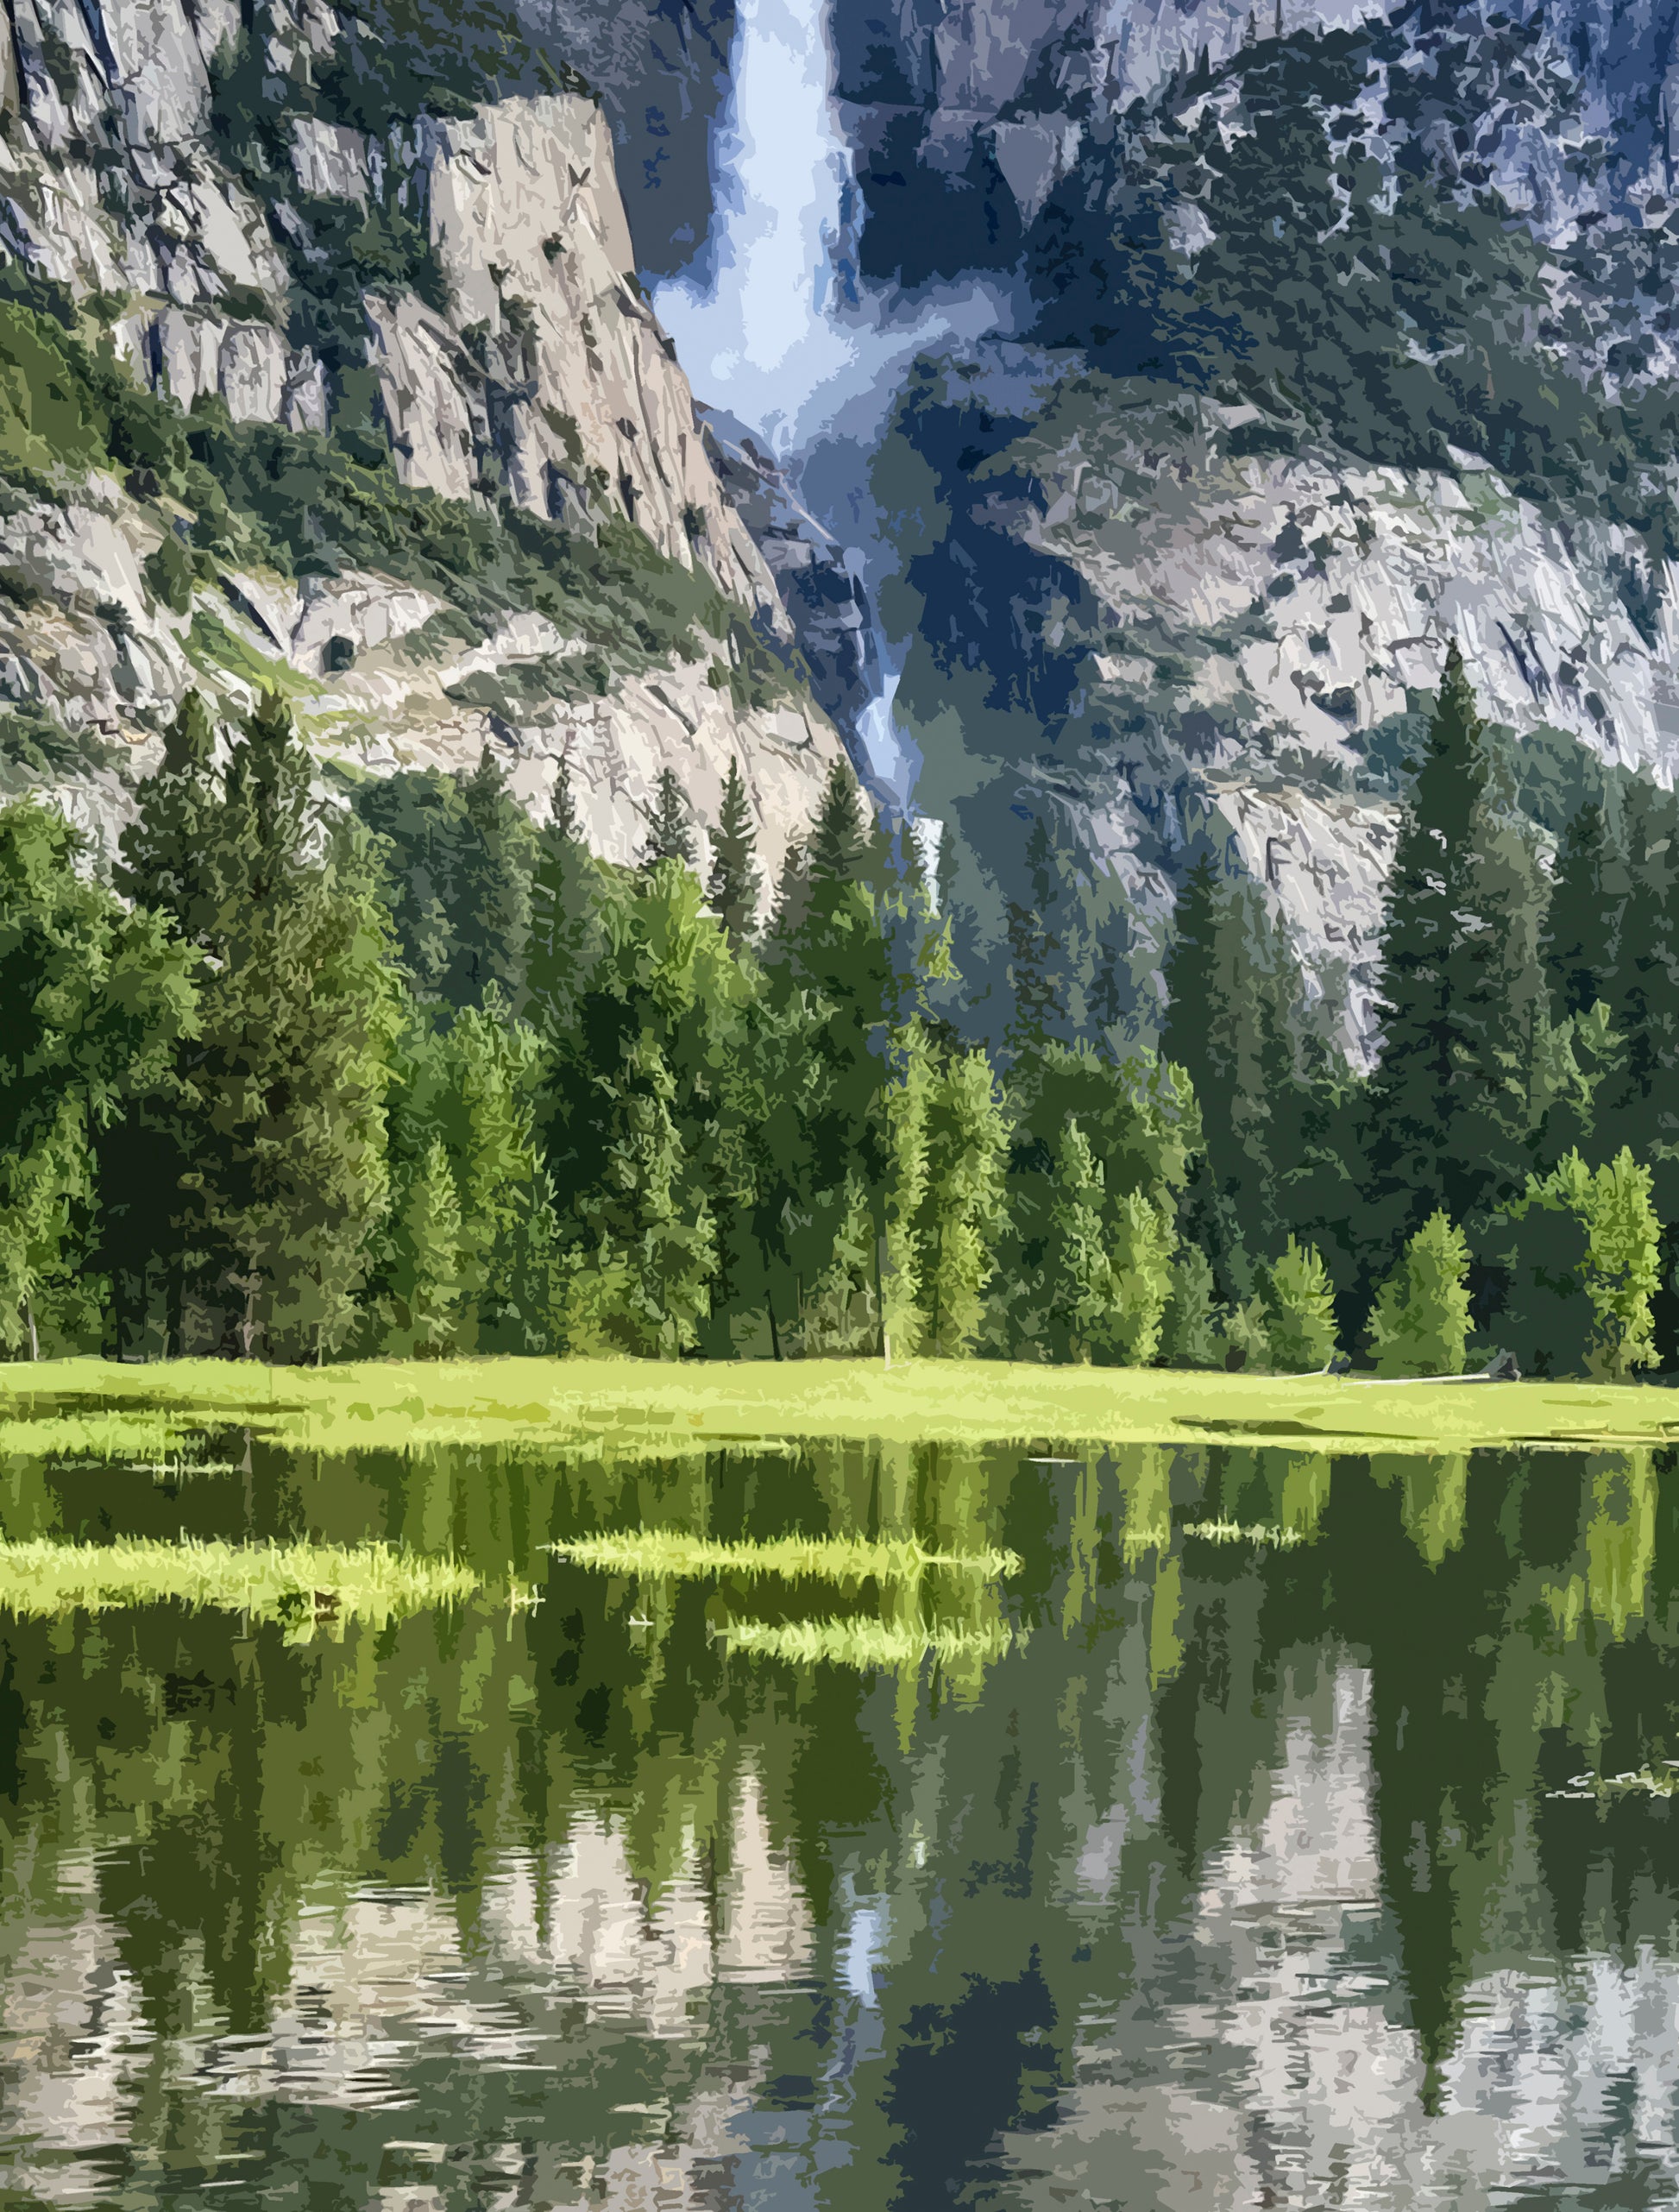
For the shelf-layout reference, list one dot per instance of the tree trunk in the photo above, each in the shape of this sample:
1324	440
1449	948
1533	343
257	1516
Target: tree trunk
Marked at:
29	1323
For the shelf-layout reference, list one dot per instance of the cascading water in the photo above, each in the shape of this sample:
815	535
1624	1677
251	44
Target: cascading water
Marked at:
773	323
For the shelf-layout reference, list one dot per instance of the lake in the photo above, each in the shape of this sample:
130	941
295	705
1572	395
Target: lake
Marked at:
1274	1829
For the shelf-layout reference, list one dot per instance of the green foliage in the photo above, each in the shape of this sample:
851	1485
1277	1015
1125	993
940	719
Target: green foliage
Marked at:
93	1001
669	824
735	884
1300	1306
1189	1336
1579	1255
1421	1322
1450	1107
963	1208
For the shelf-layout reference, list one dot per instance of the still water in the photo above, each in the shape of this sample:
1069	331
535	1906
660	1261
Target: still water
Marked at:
1325	1860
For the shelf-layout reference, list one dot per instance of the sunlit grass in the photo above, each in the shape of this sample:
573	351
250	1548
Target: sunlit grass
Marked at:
667	1553
866	1643
644	1408
297	1583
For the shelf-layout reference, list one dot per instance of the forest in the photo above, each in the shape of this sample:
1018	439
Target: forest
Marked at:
389	1070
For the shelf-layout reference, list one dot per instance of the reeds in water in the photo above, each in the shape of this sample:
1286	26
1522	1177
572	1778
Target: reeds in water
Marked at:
299	1584
669	1554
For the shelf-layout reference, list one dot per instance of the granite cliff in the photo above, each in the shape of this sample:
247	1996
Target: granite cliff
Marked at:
424	455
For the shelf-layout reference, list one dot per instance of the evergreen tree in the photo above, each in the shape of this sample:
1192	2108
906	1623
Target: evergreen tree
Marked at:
839	841
1450	1105
565	943
962	1210
167	851
735	882
1143	1131
909	1113
1189	1330
1299	1311
430	1259
1639	1107
669	824
92	1005
1232	984
171	864
297	1018
1078	1268
1145	1242
492	919
1421	1322
1590	886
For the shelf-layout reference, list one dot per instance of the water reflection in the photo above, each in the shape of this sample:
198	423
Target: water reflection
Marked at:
1233	1852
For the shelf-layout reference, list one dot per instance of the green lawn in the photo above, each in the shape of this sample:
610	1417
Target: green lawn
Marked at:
647	1408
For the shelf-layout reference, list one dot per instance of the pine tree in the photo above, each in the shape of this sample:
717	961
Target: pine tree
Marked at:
1299	1311
908	1111
839	838
1077	1268
1189	1330
962	1210
1144	1244
1232	986
167	850
297	1018
173	864
1450	1105
492	917
669	824
1590	886
735	882
92	1004
1421	1322
431	1259
565	943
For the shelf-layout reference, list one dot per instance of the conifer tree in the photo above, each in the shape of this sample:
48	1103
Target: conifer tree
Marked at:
1299	1311
735	882
1189	1329
167	851
92	1004
492	917
1451	1103
908	1110
1077	1268
1232	983
430	1258
963	1209
1590	886
669	824
839	841
1145	1241
297	1018
565	943
1421	1322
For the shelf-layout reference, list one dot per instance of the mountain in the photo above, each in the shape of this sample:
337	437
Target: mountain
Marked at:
326	364
1338	343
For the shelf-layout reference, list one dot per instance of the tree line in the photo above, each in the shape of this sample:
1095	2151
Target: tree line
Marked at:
315	1076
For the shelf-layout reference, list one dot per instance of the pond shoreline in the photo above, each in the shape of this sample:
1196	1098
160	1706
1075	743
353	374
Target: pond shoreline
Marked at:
644	1407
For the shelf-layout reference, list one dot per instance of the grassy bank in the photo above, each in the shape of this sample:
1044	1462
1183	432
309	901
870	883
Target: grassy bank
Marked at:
646	1408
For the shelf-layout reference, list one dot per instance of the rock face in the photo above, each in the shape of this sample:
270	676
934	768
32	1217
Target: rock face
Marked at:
487	320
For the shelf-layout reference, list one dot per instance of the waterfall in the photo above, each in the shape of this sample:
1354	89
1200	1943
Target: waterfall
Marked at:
772	322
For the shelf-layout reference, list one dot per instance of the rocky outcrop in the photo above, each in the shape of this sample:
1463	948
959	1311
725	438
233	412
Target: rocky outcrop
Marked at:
508	356
819	584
